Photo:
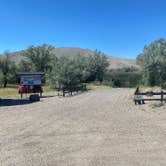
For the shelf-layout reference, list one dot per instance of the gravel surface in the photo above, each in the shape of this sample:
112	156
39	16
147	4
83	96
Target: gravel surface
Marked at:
96	128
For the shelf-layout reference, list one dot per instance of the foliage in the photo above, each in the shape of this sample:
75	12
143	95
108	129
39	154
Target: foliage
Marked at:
1	77
26	65
72	71
98	65
163	85
69	73
153	62
40	57
125	77
7	67
66	73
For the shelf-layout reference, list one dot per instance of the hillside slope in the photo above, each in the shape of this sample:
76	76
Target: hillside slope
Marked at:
115	62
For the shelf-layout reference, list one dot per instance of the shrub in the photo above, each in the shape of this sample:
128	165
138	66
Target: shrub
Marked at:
163	85
125	77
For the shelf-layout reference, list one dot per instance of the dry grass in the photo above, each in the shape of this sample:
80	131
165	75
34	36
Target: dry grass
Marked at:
8	92
155	89
12	91
95	86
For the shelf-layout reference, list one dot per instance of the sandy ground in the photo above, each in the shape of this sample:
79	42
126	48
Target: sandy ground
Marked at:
97	128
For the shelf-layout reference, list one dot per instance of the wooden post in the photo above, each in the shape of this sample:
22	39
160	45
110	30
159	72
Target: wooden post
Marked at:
63	92
58	91
162	96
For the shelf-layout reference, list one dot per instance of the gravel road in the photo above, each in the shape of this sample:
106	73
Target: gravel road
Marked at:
96	128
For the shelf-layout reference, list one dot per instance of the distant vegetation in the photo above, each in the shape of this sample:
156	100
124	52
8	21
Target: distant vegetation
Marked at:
123	77
73	71
61	71
67	71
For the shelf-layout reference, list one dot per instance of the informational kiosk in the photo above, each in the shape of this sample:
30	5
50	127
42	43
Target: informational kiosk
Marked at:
30	83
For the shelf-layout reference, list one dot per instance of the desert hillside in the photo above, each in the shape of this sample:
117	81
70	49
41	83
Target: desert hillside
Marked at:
115	62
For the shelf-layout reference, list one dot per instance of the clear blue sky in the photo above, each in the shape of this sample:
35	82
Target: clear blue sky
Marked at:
116	27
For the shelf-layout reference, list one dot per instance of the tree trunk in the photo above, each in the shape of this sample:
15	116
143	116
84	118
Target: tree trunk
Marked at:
5	83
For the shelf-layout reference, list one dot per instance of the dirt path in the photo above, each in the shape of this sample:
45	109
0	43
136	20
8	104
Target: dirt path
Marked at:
101	127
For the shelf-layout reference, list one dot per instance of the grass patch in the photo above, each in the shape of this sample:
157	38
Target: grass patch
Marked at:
157	105
48	89
12	91
147	88
7	92
94	86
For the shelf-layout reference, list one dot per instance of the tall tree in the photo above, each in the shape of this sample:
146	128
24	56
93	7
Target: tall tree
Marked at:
26	65
69	72
1	76
40	56
65	73
7	69
153	61
98	65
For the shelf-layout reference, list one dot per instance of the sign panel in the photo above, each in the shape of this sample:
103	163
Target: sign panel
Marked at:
31	80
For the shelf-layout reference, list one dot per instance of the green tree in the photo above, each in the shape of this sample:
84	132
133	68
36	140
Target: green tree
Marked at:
66	73
26	65
40	57
69	72
1	77
153	62
125	77
7	70
82	65
98	64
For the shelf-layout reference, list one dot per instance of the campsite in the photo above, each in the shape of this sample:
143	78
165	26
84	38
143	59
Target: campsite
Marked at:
80	111
98	127
83	83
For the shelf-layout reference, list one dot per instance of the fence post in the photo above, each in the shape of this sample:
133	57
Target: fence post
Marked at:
63	92
162	96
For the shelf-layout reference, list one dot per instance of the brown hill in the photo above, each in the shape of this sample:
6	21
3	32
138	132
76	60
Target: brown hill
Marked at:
115	62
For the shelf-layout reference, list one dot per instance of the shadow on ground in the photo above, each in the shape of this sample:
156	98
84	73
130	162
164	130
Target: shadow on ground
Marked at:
68	94
14	102
48	96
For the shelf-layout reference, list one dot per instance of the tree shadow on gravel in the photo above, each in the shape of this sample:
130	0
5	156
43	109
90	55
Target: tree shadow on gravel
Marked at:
69	95
14	102
48	96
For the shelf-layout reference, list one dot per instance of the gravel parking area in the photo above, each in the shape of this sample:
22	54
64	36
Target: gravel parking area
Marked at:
96	128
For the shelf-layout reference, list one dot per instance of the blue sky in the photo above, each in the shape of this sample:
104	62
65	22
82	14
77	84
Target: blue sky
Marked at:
116	27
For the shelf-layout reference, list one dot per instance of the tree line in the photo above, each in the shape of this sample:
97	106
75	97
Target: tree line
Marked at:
67	72
59	71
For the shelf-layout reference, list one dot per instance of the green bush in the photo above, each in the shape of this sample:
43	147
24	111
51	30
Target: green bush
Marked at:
71	72
163	85
125	77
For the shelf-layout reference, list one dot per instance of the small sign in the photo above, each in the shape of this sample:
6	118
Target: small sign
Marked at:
31	80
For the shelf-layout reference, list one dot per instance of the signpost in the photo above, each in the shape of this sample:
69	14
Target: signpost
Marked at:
31	80
30	83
